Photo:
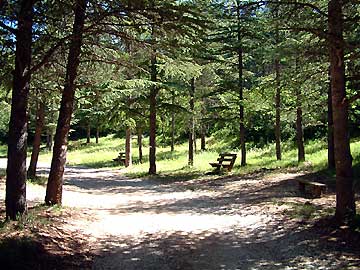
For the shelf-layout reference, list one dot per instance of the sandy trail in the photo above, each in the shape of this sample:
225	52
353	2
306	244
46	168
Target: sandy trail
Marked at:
224	223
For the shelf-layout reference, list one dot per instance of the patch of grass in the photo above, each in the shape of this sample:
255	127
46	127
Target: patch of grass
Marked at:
307	211
174	164
34	218
38	180
91	155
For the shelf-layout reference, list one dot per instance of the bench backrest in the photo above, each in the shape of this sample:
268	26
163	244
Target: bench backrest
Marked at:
227	158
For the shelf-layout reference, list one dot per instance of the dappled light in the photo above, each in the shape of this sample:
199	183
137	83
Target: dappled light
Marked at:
180	135
254	221
228	222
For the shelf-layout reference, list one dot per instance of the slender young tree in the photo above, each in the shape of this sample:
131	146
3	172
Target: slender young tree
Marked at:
128	148
330	129
39	124
88	132
277	106
240	85
97	134
172	144
139	142
299	126
191	122
152	116
55	181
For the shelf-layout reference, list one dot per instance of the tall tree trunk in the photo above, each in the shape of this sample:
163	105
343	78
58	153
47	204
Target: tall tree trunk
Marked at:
88	133
241	89
191	123
152	133
195	145
330	133
128	154
277	110
55	181
40	116
172	146
345	202
139	141
299	127
15	198
49	140
202	137
97	134
203	129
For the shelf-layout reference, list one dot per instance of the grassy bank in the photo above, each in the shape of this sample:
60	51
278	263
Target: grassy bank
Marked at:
175	163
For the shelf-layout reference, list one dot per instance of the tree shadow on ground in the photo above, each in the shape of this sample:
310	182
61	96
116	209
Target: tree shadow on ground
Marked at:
30	253
40	242
267	248
271	245
210	198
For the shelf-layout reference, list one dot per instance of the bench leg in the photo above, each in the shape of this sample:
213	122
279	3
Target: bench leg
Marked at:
317	191
302	187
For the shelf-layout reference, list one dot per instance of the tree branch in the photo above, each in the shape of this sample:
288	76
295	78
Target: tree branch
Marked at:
8	28
48	54
351	99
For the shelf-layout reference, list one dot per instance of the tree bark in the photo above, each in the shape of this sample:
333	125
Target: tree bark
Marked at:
202	138
97	134
152	118
15	198
330	133
345	202
191	123
128	154
241	89
40	116
49	140
299	127
172	146
203	129
88	133
277	110
195	145
139	141
55	181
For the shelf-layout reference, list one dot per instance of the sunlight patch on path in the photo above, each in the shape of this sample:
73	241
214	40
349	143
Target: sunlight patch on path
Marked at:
140	224
116	201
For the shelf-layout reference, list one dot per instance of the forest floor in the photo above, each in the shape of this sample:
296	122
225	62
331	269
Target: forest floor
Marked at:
257	221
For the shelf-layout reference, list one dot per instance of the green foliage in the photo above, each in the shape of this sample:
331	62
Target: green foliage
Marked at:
4	119
306	211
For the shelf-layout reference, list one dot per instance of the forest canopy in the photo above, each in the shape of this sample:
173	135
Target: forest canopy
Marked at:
252	72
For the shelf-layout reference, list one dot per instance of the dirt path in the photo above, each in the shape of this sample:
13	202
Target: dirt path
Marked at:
224	223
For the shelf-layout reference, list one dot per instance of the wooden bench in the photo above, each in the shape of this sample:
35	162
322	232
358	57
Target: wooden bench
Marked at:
315	189
225	161
120	158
